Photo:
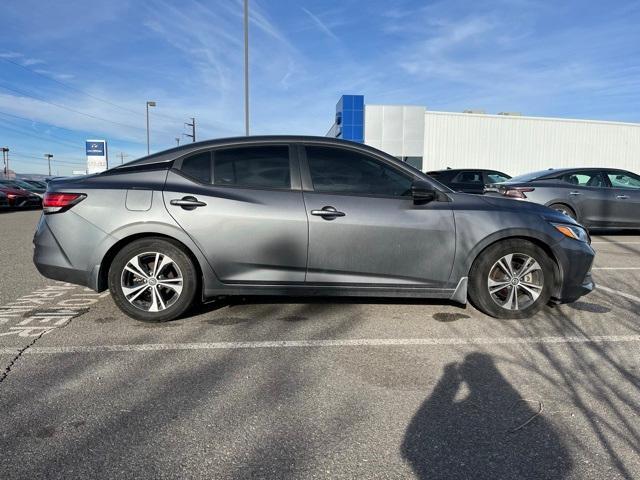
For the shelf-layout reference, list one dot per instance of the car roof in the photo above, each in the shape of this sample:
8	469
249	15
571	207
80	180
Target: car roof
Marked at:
173	153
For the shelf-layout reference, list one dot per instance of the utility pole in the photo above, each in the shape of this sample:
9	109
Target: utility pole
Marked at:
5	161
178	141
246	67
192	136
122	157
48	156
149	104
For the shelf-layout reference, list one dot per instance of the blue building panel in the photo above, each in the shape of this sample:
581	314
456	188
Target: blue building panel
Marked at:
349	122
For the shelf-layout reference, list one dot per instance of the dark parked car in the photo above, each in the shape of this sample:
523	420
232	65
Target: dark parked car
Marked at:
36	183
468	180
22	185
595	197
20	198
301	216
4	202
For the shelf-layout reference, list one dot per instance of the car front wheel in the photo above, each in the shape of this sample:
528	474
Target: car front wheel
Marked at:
511	279
153	280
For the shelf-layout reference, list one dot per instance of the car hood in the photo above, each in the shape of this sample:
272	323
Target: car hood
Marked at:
547	213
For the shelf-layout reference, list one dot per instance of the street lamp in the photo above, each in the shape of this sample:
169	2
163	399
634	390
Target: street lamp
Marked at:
5	161
149	104
48	156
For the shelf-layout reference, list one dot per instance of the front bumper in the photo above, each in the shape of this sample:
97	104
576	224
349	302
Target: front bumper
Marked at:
575	260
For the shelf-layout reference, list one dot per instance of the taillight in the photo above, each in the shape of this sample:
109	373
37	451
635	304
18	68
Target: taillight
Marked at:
55	202
516	192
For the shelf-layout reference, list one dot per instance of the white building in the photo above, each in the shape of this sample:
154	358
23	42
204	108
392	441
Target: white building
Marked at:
507	142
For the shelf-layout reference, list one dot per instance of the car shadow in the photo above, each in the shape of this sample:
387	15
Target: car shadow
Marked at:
476	425
230	302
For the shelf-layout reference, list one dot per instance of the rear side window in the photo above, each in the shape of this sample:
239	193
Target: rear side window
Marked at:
497	177
591	178
260	167
468	177
198	166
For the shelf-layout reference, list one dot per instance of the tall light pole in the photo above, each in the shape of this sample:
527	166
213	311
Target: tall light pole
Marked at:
149	104
5	160
48	156
178	141
246	67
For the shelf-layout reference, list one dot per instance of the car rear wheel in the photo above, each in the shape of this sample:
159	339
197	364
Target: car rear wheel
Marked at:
511	279
566	209
153	280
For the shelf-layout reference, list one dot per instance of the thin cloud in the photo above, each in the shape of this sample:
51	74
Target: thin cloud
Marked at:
320	24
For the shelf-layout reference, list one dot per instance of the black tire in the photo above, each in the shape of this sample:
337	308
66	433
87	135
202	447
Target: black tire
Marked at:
484	264
566	209
180	260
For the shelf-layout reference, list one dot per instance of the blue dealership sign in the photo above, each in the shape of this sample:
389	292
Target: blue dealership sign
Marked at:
95	148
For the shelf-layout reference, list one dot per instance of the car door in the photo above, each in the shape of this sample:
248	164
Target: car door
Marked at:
625	189
586	192
364	228
244	209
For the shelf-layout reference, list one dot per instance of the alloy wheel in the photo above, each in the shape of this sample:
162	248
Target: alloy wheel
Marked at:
515	281
151	281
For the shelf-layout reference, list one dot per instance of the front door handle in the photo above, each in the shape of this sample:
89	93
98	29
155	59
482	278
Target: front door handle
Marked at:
622	197
575	193
188	203
328	213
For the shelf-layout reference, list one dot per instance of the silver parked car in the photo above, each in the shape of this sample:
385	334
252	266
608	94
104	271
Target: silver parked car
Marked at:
595	197
301	216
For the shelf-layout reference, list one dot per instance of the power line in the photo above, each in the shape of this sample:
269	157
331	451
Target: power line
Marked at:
28	155
20	92
84	92
71	87
40	137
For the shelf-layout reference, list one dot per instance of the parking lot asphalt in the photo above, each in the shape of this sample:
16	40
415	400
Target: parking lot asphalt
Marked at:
317	388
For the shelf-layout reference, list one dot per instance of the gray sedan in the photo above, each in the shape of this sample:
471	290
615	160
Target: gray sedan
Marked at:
595	197
301	216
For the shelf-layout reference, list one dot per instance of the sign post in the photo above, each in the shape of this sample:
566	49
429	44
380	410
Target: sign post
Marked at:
97	156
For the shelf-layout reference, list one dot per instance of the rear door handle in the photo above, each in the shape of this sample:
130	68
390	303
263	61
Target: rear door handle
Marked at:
328	213
622	197
188	203
575	193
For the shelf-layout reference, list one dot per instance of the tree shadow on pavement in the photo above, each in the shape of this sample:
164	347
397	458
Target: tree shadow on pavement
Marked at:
476	425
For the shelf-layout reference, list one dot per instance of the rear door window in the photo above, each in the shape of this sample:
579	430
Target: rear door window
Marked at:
589	178
468	176
258	167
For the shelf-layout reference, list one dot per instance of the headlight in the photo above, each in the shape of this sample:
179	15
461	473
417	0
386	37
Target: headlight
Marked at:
573	231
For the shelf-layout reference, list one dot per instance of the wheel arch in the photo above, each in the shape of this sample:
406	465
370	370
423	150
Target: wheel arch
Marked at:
107	258
540	242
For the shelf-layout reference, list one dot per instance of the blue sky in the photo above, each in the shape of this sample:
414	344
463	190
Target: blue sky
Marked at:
78	69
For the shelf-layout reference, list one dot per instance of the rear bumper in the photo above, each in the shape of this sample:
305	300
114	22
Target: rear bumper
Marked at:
575	260
51	260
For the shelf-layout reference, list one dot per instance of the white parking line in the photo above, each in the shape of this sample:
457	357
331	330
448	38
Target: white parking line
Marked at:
628	296
615	243
615	268
356	342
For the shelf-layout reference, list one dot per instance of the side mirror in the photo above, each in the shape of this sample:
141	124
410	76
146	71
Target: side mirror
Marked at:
423	192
